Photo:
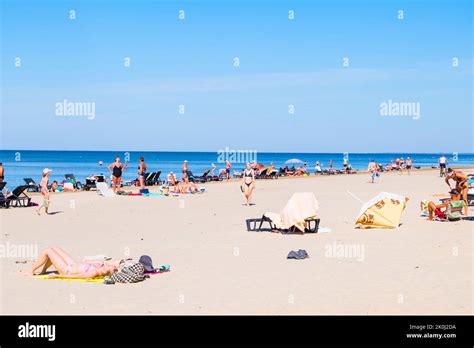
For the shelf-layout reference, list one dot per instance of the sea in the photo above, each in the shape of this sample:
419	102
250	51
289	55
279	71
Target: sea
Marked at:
30	164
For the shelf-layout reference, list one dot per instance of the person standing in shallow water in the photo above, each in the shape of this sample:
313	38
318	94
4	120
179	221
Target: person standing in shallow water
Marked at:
2	172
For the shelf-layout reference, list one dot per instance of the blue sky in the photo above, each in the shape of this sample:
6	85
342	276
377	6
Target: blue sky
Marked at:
282	62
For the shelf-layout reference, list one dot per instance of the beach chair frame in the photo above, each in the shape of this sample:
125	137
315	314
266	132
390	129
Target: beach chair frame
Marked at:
32	185
75	183
19	198
312	225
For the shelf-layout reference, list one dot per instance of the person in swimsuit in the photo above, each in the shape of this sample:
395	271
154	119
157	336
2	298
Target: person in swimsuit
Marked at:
171	179
248	182
227	169
372	168
44	191
67	267
184	169
397	164
142	168
2	172
402	165
408	165
186	186
442	161
435	209
462	185
317	168
116	169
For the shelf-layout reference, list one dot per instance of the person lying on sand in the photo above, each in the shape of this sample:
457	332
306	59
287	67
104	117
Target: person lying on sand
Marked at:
67	267
300	171
435	209
186	186
462	185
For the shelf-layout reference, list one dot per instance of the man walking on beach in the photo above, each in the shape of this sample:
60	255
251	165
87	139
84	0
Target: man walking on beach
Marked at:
461	184
442	161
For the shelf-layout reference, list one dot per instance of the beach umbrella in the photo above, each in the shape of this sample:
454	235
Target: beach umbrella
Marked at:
294	161
383	211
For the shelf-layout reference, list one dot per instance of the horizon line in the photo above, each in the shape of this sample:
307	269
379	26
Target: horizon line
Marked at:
269	152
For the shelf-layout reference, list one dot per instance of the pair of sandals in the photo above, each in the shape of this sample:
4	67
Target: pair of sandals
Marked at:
298	255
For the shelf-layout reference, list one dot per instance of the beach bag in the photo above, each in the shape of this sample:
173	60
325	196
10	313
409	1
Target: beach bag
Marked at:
129	273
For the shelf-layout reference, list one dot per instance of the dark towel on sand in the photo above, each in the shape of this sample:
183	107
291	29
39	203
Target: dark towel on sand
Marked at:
298	255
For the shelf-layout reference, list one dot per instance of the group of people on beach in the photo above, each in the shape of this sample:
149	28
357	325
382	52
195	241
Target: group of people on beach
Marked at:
70	268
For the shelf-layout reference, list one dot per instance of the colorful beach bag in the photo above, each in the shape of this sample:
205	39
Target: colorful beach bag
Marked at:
128	273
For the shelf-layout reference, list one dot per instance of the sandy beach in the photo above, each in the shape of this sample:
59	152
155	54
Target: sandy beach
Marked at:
217	267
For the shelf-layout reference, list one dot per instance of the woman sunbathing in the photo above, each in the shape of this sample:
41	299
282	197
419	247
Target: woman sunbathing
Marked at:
186	186
67	267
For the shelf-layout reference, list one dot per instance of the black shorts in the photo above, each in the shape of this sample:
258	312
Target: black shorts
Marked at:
442	165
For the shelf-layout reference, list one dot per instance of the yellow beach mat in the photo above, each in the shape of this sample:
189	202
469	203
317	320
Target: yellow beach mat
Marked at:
94	280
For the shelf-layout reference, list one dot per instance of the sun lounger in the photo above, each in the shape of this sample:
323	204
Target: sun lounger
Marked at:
273	174
77	184
204	177
299	214
18	197
156	179
256	225
148	179
191	177
92	182
32	185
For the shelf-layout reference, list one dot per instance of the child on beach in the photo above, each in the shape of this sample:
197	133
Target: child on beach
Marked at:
372	168
44	191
